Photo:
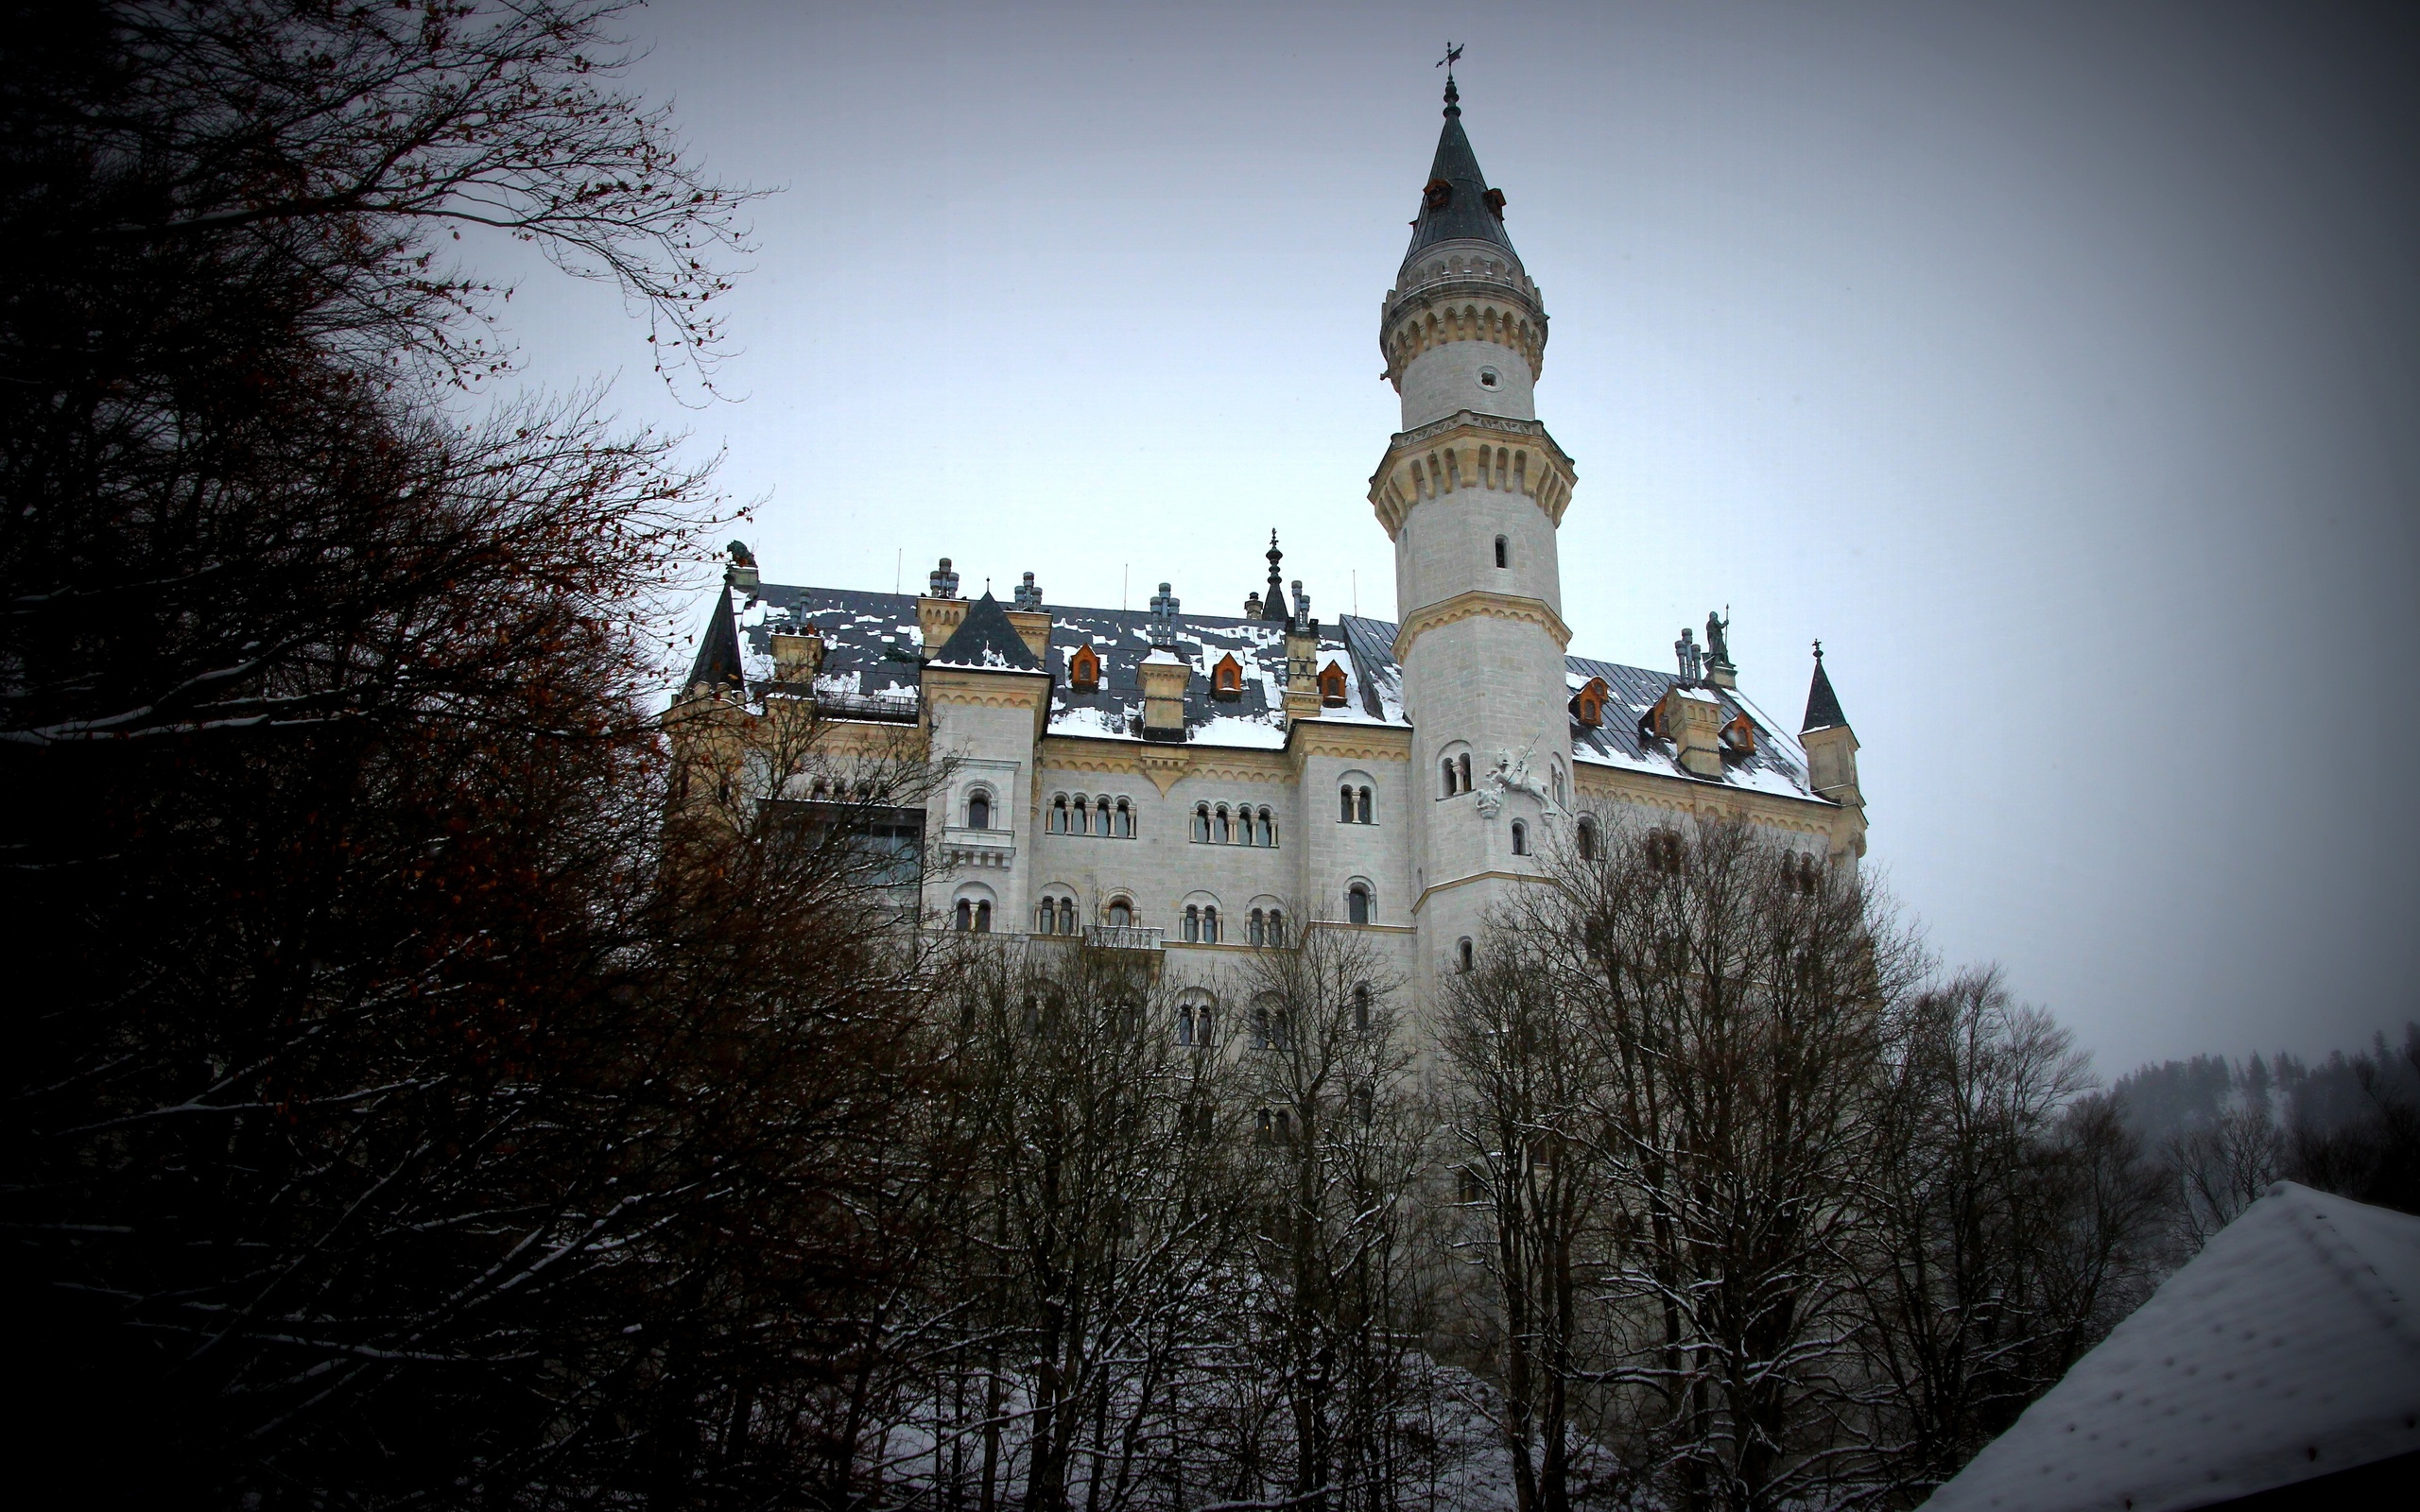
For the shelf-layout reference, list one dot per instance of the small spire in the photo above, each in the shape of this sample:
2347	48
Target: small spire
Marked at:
1823	704
1272	604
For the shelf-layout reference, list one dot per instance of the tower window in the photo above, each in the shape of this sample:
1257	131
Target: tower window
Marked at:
1587	839
1202	823
978	811
1464	956
1445	768
1192	924
1361	1007
1361	807
1520	839
1209	927
1357	904
1489	378
1462	769
1503	552
1344	805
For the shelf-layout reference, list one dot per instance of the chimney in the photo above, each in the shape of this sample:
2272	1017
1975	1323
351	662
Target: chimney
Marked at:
938	612
1164	675
1691	719
797	658
1302	668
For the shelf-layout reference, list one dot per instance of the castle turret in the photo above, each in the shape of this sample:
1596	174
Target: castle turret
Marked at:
1831	746
1471	491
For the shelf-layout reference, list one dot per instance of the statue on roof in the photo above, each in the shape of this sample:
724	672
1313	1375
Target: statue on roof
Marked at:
1718	640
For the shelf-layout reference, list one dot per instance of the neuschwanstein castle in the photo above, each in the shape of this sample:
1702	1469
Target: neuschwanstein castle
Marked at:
1195	783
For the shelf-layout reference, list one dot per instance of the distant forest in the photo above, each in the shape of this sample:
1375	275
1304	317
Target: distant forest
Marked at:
2226	1128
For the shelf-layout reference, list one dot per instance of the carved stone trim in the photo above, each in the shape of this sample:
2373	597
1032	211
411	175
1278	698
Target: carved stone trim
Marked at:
1430	461
1473	604
1350	742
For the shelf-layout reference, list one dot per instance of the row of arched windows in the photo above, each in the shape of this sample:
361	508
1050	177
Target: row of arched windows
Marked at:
1105	817
1200	924
1216	824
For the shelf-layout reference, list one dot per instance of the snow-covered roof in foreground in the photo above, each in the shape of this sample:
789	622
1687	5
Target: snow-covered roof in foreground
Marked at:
2288	1348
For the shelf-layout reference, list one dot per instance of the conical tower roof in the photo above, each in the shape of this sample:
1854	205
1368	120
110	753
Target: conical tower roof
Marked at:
1462	212
986	639
1823	704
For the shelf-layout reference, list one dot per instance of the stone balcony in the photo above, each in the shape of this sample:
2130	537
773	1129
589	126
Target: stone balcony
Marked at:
979	849
1124	937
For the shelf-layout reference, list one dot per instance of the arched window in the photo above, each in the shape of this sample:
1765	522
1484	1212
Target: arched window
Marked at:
978	811
1503	552
965	919
1520	839
1261	1040
1587	839
1222	831
1192	924
1121	914
1357	903
1125	821
1184	1024
1067	916
1045	918
1209	925
1252	927
1462	769
1361	1007
1464	956
982	917
1267	825
1083	670
1201	822
1344	805
1058	815
1227	677
1445	769
1276	929
1556	782
1361	803
1083	816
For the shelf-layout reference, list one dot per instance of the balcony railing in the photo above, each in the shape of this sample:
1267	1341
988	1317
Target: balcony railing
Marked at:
899	709
1123	937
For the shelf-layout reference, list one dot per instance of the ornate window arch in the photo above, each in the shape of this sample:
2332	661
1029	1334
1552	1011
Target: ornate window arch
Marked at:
978	808
1360	901
1202	824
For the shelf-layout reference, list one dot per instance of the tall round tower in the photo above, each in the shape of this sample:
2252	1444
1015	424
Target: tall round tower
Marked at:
1471	491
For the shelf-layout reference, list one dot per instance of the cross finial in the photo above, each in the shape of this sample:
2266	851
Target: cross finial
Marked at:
1453	95
1818	650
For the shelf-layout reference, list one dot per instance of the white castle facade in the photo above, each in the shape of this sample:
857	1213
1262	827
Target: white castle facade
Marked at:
1199	784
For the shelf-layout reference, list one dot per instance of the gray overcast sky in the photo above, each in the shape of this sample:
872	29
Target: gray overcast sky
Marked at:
2058	365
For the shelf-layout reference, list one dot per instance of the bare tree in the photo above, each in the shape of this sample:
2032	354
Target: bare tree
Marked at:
1343	1284
1528	1073
2000	1223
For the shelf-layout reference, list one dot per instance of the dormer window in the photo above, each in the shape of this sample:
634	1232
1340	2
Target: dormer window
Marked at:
1332	686
1227	677
1438	195
1740	736
1084	671
1588	704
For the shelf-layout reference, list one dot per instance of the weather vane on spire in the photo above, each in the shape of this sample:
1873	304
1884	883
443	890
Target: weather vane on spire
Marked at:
1453	95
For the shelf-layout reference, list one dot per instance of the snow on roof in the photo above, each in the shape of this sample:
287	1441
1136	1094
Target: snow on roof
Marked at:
874	639
2288	1348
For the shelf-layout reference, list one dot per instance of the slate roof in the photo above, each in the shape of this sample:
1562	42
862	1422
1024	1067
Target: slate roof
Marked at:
873	650
1465	214
1823	704
2288	1350
985	639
